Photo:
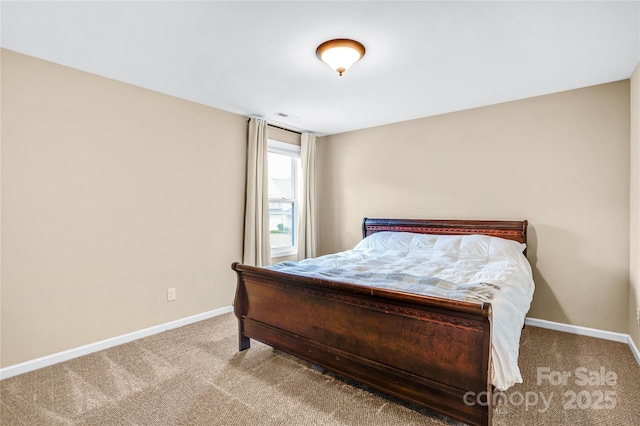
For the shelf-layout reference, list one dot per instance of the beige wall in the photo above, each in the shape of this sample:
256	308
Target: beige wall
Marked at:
561	161
111	194
634	201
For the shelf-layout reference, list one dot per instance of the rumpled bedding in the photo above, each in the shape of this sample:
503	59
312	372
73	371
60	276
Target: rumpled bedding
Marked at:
475	268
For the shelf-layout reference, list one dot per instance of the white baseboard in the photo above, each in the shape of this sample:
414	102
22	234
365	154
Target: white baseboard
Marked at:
576	329
585	331
45	361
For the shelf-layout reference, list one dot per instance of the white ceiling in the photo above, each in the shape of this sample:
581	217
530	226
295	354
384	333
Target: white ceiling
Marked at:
258	58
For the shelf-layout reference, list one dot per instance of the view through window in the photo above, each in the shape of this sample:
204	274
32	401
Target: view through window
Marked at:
284	165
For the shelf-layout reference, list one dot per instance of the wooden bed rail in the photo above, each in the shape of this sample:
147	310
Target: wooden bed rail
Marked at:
511	230
472	308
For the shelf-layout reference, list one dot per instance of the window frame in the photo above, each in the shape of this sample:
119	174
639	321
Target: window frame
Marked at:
291	150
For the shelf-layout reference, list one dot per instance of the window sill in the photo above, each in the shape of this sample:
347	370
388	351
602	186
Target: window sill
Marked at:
284	253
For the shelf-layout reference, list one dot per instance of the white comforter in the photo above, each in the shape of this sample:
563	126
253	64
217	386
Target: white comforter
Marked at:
470	267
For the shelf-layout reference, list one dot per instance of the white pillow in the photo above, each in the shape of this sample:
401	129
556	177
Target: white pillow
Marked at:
485	246
468	246
386	240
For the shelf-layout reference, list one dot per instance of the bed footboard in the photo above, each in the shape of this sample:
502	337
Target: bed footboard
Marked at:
424	350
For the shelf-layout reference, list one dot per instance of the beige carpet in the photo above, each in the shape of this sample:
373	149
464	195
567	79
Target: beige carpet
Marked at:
195	376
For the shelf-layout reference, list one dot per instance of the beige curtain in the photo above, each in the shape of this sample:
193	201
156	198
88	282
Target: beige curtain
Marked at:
307	230
257	248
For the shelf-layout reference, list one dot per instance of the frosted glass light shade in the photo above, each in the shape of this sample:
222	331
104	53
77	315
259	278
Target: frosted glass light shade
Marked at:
340	53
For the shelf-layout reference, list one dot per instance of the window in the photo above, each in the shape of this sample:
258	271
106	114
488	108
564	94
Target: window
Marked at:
284	169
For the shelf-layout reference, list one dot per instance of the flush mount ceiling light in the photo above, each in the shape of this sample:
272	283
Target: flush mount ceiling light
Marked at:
340	53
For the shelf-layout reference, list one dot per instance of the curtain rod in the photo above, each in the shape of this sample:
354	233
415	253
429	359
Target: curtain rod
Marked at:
281	128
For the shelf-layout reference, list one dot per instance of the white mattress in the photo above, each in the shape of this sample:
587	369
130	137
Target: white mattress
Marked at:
470	267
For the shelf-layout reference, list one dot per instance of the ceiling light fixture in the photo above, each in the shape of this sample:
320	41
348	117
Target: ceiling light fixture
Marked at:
340	53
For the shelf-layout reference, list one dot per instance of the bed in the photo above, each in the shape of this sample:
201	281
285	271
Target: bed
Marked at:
429	350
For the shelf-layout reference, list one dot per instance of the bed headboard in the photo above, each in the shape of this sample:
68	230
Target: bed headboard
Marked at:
511	230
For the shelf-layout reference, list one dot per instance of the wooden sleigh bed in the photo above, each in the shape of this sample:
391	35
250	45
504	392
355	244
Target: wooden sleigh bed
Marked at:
425	350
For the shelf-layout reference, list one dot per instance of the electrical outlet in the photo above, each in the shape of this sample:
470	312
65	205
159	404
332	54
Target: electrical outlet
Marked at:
171	294
638	315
